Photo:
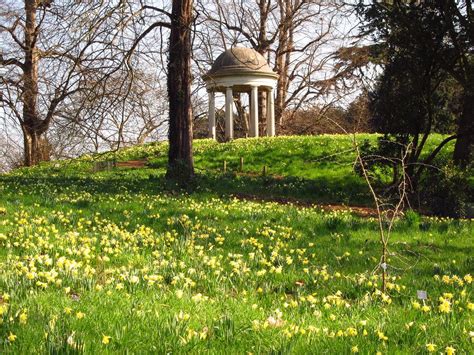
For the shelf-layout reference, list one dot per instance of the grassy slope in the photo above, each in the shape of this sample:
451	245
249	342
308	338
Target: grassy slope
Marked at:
317	169
237	264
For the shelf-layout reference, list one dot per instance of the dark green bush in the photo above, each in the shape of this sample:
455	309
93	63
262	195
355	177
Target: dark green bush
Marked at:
446	190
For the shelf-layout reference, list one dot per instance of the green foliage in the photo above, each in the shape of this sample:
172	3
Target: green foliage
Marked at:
447	190
441	188
412	218
426	82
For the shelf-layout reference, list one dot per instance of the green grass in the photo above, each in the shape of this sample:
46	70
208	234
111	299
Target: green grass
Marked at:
312	168
162	270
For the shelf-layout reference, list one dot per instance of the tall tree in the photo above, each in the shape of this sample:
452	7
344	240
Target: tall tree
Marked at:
437	32
416	93
458	19
180	155
179	21
47	47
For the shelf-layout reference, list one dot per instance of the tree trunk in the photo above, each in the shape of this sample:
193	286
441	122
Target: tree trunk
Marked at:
283	58
464	142
35	146
262	41
263	46
262	109
180	155
242	121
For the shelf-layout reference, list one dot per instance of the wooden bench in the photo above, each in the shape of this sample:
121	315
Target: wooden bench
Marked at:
131	164
109	165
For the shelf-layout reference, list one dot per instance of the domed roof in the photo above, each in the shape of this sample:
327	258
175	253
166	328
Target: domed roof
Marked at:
240	60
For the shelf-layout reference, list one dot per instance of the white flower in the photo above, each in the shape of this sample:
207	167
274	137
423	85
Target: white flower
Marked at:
274	322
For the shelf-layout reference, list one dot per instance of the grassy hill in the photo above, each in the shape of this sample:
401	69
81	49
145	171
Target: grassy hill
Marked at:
118	260
316	169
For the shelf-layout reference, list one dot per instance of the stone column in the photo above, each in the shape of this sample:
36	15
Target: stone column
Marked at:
229	120
270	114
254	111
211	114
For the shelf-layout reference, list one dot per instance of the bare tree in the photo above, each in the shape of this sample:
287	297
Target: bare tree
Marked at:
48	48
10	151
128	108
296	36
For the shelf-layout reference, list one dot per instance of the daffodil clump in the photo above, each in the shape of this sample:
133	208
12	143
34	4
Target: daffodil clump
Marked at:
112	263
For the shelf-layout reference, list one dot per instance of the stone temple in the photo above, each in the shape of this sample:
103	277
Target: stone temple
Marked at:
241	70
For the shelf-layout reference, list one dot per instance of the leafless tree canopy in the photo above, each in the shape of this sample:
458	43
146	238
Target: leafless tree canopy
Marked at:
298	38
66	68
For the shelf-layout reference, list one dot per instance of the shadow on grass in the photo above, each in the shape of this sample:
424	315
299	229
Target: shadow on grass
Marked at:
347	190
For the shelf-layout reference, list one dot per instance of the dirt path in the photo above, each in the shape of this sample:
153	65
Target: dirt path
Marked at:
357	210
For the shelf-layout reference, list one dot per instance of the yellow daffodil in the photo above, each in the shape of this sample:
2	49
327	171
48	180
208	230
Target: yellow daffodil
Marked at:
382	336
430	347
450	350
11	337
80	315
23	317
106	339
468	278
445	306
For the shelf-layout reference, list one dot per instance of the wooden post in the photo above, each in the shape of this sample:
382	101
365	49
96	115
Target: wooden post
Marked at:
225	166
264	170
241	164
